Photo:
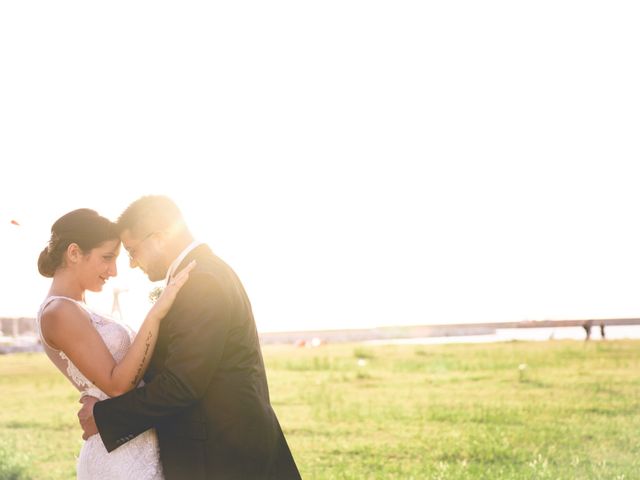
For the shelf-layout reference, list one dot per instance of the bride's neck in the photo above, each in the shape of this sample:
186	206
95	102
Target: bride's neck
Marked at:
65	284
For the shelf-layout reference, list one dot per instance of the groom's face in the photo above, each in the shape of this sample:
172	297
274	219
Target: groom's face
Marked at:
146	252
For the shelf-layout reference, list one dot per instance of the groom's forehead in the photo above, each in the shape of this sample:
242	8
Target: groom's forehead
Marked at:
127	238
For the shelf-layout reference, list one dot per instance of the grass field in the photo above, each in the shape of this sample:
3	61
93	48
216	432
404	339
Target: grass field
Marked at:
548	410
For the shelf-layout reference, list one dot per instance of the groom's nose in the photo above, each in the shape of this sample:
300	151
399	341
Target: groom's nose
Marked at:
134	264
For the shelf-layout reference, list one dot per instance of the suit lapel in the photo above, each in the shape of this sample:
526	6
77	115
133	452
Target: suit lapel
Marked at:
160	353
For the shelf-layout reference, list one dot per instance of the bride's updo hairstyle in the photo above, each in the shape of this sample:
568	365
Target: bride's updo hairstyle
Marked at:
83	227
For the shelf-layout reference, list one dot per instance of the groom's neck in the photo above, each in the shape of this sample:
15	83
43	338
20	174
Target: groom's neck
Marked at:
178	244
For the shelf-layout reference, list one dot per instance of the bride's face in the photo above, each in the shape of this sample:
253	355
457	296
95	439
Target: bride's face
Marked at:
99	265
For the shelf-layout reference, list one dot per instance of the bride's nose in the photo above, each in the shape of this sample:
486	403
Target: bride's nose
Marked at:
113	270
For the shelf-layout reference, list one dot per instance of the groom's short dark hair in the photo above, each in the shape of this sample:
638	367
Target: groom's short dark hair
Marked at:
149	213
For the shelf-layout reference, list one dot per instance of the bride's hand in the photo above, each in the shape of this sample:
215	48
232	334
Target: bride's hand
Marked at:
165	300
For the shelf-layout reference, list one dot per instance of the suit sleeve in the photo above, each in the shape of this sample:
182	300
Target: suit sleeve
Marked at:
197	330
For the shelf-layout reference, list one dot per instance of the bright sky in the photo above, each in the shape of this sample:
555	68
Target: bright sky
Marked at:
358	163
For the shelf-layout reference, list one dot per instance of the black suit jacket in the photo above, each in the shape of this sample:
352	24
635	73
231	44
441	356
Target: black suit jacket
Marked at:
206	392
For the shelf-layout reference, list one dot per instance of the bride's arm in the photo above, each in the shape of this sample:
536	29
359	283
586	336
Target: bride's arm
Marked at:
67	327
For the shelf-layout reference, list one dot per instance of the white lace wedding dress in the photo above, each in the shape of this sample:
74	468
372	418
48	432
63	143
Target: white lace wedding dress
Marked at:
137	459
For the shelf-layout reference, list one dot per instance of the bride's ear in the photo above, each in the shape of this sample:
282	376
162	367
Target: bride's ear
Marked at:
73	253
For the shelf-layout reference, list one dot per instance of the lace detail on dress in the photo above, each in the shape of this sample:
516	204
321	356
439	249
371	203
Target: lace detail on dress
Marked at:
115	336
74	374
137	459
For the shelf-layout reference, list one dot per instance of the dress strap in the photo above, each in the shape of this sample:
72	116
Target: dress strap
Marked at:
48	300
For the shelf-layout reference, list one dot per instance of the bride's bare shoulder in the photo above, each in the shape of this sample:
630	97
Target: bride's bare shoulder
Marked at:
60	317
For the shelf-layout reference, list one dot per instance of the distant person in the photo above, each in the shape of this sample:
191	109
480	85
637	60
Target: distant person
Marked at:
206	392
587	329
98	355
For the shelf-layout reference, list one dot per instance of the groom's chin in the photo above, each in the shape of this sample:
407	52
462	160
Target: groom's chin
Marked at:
154	277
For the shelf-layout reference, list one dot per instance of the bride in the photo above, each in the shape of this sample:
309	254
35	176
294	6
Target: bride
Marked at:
100	357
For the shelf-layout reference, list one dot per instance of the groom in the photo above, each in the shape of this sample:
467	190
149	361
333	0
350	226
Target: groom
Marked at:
206	389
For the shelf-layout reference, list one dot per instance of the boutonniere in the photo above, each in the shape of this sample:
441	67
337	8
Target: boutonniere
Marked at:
155	294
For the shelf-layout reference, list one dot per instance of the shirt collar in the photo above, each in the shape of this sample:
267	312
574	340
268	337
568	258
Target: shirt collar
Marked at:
180	258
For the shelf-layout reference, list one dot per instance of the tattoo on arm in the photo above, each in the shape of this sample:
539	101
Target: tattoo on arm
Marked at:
136	379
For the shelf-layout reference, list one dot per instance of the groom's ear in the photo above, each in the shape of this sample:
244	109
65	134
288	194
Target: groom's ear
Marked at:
163	237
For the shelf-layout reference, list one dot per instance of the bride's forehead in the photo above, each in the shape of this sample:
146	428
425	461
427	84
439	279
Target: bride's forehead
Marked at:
109	246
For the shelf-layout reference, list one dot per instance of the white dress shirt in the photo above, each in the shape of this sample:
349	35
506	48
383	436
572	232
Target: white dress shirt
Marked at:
178	260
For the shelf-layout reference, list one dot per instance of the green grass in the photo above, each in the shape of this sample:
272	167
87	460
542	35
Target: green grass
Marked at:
549	410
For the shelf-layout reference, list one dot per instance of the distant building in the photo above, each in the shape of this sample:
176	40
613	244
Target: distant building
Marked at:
16	326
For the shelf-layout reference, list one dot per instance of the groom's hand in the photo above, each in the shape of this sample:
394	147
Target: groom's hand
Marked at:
85	416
